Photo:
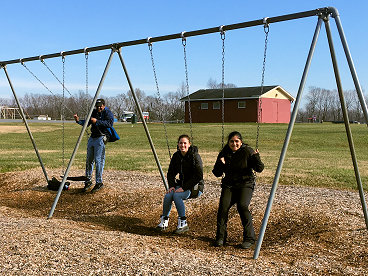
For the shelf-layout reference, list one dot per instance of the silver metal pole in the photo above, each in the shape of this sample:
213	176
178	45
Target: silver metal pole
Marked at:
335	15
346	121
81	135
26	124
143	121
286	141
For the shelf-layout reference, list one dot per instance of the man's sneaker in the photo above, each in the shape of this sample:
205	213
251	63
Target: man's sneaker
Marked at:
164	223
97	187
246	245
219	243
87	185
182	226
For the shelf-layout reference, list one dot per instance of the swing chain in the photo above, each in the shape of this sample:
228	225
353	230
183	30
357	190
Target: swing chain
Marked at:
266	29
48	68
161	109
86	59
184	42
222	32
63	113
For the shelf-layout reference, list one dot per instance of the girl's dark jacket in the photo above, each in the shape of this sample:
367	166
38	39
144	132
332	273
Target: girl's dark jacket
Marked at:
238	167
189	167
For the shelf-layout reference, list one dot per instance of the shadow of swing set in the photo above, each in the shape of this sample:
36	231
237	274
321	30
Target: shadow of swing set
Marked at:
323	15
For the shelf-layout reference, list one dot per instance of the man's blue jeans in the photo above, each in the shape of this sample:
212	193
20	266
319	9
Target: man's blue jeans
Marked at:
95	155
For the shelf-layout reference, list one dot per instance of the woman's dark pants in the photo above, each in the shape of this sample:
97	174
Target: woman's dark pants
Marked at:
242	198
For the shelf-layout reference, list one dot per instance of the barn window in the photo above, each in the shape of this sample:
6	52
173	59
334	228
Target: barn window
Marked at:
216	105
204	105
241	104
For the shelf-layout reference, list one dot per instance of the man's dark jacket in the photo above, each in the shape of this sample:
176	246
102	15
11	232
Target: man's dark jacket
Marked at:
105	119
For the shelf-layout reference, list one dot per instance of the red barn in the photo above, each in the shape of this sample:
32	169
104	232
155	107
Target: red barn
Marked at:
241	104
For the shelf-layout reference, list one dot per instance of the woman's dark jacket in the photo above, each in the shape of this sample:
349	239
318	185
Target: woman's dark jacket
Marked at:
189	167
238	167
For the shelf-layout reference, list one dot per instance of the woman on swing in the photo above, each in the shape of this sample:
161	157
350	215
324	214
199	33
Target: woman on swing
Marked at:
237	161
186	162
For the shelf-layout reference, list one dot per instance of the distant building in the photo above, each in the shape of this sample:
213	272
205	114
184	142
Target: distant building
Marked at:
9	113
241	104
43	117
128	115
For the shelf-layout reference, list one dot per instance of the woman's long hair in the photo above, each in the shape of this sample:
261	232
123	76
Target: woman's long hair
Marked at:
234	133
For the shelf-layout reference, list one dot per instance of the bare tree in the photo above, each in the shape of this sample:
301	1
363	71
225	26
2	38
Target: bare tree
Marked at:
213	84
5	102
140	95
119	104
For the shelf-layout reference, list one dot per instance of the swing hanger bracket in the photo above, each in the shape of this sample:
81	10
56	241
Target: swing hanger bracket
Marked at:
222	32
115	48
149	43
266	25
324	16
183	38
85	50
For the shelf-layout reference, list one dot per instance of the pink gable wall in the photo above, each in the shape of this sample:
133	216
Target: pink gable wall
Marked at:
275	110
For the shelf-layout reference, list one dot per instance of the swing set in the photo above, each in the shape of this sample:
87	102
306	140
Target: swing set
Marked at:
323	15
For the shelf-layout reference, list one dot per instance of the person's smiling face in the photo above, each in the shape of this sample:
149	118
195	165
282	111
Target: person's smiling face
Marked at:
235	143
184	145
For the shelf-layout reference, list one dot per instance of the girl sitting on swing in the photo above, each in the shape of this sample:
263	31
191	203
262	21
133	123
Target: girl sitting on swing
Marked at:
237	161
186	162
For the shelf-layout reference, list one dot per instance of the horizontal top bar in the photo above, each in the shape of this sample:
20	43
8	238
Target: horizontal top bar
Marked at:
317	12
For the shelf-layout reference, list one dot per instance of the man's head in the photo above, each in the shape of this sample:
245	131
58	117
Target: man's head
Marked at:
100	105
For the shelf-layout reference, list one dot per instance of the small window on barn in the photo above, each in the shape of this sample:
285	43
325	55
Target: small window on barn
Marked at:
204	105
241	104
216	105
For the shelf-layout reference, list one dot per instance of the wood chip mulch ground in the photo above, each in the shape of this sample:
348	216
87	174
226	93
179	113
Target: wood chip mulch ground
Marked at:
311	231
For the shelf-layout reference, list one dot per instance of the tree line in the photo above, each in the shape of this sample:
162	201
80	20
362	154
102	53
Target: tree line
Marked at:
167	107
321	104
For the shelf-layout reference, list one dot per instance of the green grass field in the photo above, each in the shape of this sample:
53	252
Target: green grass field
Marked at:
318	154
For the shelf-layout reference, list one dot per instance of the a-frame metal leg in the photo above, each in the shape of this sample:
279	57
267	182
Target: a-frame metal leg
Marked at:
346	121
286	142
349	59
143	121
26	124
81	135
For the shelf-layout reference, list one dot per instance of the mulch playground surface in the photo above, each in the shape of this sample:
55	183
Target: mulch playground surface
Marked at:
311	231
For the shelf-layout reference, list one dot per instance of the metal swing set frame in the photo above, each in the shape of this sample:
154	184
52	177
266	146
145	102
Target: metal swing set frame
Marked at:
323	15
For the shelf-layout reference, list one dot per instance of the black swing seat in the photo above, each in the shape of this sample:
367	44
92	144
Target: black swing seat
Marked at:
54	184
76	178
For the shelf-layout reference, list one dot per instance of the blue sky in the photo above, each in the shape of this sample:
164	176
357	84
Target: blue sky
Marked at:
32	28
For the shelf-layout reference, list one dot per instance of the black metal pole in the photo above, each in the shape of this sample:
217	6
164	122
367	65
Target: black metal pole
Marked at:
346	120
26	124
176	36
286	141
143	121
81	135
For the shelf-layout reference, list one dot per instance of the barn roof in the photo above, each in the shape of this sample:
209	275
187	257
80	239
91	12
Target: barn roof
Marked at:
235	93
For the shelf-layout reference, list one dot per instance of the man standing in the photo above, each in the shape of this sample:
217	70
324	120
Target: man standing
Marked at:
101	119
